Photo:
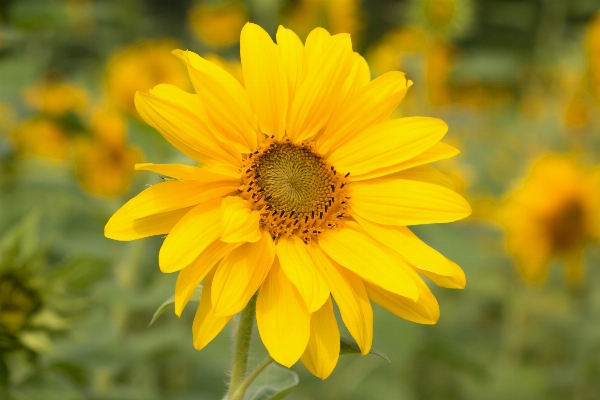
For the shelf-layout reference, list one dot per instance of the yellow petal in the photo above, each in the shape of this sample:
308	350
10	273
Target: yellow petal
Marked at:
457	280
372	104
121	226
300	270
423	311
199	228
323	349
190	277
350	294
239	222
409	246
173	195
282	318
240	274
368	259
387	144
328	63
185	130
292	56
406	202
265	79
439	151
359	77
225	101
206	324
424	173
187	172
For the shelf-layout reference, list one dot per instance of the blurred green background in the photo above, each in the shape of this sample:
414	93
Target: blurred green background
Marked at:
514	79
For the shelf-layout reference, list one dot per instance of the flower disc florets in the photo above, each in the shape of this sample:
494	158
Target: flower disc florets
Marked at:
295	190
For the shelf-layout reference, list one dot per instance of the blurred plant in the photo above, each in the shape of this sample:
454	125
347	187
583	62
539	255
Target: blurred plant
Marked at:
104	162
218	24
554	214
56	98
593	53
140	67
443	19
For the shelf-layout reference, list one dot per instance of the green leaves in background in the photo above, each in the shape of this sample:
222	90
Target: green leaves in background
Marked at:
275	382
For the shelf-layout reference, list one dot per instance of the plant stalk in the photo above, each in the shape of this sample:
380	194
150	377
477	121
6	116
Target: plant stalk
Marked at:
241	389
242	344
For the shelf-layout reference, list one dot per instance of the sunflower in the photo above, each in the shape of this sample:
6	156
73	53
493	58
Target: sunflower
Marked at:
553	215
305	194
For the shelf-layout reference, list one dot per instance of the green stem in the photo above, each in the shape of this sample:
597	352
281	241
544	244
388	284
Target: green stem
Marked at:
241	390
242	344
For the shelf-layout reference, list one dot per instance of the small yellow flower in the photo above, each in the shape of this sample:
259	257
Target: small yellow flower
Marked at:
305	195
105	163
56	98
218	24
140	67
554	214
43	137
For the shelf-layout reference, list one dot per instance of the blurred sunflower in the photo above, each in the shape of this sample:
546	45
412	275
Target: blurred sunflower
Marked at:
339	16
56	98
306	193
555	214
104	162
43	137
449	19
140	67
218	24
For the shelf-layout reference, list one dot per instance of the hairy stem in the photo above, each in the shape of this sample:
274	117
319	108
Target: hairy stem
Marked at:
242	343
241	389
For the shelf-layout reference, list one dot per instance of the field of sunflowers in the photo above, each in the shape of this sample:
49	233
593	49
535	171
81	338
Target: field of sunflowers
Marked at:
301	197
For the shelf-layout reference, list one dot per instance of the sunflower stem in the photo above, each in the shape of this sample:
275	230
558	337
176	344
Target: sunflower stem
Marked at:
242	344
241	389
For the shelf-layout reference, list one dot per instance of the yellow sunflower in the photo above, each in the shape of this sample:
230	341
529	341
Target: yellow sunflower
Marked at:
305	194
553	215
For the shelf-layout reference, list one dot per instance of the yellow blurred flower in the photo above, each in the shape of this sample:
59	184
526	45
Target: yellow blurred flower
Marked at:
105	162
554	214
337	15
305	196
43	137
56	98
577	112
388	53
449	19
218	25
140	67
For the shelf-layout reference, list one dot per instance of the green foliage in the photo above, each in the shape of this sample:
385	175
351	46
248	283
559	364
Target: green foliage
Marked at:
274	383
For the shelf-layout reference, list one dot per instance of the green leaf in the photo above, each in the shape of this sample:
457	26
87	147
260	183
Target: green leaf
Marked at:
171	301
349	346
275	382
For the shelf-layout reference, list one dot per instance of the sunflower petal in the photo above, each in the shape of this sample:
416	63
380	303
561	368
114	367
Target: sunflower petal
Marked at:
386	144
206	324
190	277
282	318
199	228
371	105
457	280
239	222
409	246
423	311
292	55
187	172
405	202
265	79
184	130
225	100
349	293
240	274
439	151
368	259
300	270
121	226
323	349
328	63
173	195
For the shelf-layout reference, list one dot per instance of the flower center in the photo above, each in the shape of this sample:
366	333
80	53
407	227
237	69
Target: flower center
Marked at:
567	227
294	189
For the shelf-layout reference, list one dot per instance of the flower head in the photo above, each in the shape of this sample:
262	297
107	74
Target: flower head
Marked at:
305	193
554	214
